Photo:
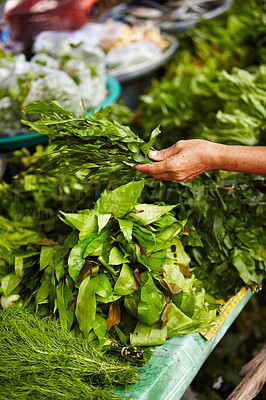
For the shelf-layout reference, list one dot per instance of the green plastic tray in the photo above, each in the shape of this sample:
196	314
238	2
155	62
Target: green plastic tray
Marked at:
32	139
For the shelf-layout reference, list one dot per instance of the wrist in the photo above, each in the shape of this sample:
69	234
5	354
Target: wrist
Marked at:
213	154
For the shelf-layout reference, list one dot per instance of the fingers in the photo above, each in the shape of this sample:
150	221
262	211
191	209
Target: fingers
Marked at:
154	169
163	154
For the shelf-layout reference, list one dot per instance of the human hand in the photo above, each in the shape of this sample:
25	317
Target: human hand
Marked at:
182	161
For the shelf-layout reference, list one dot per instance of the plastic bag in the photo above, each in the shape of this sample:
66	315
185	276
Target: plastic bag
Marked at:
132	54
56	85
48	41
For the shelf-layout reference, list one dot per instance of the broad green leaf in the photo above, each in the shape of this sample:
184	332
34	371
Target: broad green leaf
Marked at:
94	248
144	236
181	256
125	281
116	257
76	259
146	147
99	326
103	288
171	231
188	304
218	229
200	301
154	261
194	240
126	227
46	256
151	305
145	335
245	265
249	240
106	300
177	320
60	269
86	304
165	221
43	293
102	220
9	283
145	214
66	305
173	277
120	201
19	266
72	239
83	222
131	302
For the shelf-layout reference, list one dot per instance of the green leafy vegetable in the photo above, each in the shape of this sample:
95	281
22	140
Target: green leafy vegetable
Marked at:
93	146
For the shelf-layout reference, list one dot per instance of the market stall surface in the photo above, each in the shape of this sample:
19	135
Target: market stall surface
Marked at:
175	364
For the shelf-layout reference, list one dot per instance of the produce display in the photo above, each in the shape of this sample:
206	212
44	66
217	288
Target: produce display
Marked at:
133	33
170	16
107	258
120	250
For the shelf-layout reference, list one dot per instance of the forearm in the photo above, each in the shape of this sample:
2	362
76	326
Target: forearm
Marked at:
247	159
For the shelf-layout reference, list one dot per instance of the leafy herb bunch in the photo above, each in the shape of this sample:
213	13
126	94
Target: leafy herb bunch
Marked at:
38	357
228	211
92	145
196	102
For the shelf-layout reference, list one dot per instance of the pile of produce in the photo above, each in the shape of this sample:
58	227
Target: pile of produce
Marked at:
201	103
123	256
40	359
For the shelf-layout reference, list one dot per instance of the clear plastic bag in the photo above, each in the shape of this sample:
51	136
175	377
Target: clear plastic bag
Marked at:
56	85
132	54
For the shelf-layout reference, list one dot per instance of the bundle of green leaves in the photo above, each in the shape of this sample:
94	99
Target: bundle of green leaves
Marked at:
92	145
193	102
40	359
121	273
228	212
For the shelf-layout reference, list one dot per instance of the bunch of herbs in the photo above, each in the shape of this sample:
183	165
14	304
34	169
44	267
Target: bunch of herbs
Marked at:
40	359
227	212
93	146
192	102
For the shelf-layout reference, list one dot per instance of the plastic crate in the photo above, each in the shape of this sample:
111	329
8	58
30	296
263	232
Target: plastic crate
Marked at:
27	18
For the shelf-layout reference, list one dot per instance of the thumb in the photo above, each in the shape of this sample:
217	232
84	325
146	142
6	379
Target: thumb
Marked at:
163	154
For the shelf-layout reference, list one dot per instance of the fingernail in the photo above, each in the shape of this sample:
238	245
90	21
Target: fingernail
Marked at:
153	153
